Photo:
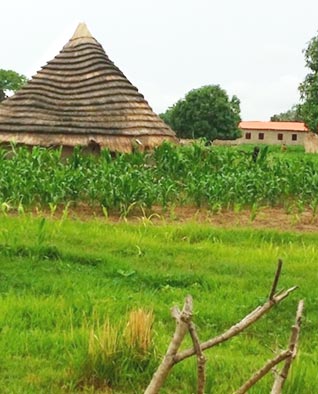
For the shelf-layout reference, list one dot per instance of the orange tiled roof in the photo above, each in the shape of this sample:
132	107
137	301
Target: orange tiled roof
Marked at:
273	126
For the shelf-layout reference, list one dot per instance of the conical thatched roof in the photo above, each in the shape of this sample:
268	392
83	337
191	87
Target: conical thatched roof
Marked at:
81	97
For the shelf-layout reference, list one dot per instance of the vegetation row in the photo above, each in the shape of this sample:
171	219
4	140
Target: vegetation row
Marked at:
197	175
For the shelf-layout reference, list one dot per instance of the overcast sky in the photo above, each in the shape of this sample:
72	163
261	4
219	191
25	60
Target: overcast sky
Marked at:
251	48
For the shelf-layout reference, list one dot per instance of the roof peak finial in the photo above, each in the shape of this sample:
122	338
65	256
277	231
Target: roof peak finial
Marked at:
81	32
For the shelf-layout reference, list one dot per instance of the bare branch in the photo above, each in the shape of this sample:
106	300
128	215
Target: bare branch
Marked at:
299	314
184	323
276	279
292	347
175	312
186	313
298	321
200	357
263	371
182	320
239	327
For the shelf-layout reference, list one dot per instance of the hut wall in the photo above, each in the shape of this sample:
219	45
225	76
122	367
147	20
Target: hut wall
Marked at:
93	143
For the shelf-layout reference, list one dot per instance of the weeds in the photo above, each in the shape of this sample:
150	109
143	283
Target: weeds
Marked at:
138	330
114	350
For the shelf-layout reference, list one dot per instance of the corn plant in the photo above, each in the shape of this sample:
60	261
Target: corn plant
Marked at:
198	175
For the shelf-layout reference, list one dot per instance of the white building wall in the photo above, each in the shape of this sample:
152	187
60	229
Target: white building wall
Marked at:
271	137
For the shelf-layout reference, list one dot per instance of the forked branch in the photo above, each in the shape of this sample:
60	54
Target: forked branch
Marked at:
239	327
287	355
184	324
182	318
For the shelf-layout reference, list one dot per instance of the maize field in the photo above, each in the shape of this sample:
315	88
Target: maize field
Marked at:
211	177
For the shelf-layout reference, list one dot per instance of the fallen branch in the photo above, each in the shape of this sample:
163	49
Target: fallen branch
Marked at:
239	327
201	360
293	345
184	323
182	318
287	355
276	279
263	371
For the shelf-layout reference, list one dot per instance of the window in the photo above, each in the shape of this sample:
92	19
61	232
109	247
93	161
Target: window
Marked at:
247	136
280	137
260	136
294	137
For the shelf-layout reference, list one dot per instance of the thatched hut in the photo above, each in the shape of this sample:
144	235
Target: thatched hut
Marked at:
81	98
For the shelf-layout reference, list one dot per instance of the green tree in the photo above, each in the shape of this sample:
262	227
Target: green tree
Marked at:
10	81
205	112
292	115
309	87
166	116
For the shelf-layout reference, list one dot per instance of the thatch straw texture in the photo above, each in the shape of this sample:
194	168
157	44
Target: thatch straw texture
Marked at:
78	97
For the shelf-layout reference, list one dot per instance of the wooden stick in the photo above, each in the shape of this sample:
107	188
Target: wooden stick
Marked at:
239	327
182	320
263	371
292	347
276	279
201	359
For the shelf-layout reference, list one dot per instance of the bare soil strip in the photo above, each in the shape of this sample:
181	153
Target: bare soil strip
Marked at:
264	218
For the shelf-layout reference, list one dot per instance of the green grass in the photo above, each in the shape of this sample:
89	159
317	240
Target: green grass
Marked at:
62	279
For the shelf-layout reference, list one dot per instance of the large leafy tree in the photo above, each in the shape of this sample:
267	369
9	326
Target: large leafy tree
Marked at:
10	81
292	115
205	112
309	87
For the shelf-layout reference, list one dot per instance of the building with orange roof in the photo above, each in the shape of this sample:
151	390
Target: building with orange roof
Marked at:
278	133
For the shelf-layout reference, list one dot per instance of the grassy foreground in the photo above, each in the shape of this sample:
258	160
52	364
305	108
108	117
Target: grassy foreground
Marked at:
68	289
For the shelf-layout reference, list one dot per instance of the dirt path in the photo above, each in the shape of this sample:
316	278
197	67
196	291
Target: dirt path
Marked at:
264	218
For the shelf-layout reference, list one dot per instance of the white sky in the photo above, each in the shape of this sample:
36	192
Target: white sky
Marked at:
251	48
